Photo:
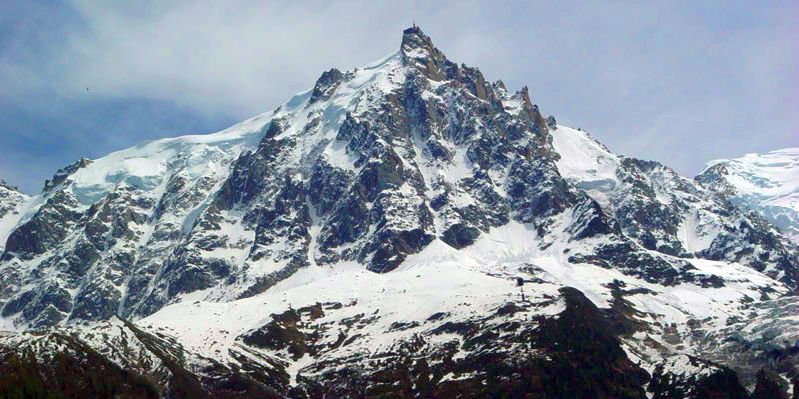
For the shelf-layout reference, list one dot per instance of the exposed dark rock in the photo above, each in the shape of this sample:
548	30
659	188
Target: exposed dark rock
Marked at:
419	52
768	386
718	382
62	174
64	375
551	122
460	235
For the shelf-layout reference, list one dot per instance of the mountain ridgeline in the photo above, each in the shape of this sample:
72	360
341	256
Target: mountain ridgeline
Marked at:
406	229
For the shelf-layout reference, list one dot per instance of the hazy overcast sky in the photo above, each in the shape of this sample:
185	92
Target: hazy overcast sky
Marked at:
676	82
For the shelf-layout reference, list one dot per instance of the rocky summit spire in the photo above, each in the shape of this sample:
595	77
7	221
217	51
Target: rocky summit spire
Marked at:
418	51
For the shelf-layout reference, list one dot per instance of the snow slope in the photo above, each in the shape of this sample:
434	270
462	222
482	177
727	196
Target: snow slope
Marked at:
587	162
454	286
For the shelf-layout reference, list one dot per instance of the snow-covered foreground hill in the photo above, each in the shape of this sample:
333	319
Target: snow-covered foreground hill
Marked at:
406	229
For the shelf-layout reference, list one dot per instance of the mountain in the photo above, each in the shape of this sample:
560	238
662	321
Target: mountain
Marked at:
671	214
766	183
406	229
12	202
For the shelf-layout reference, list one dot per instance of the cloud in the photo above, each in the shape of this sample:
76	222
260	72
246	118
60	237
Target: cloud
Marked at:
230	57
677	82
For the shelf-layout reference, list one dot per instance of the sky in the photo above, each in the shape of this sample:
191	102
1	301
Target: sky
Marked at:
682	83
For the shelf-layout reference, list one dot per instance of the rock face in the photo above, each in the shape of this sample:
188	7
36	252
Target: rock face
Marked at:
406	229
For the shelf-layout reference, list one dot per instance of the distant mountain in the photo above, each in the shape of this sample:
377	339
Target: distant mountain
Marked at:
767	183
406	229
12	202
671	214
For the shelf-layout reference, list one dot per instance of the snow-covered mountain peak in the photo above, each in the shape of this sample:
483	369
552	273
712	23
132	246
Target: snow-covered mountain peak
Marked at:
405	220
774	175
767	183
12	206
669	213
369	166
